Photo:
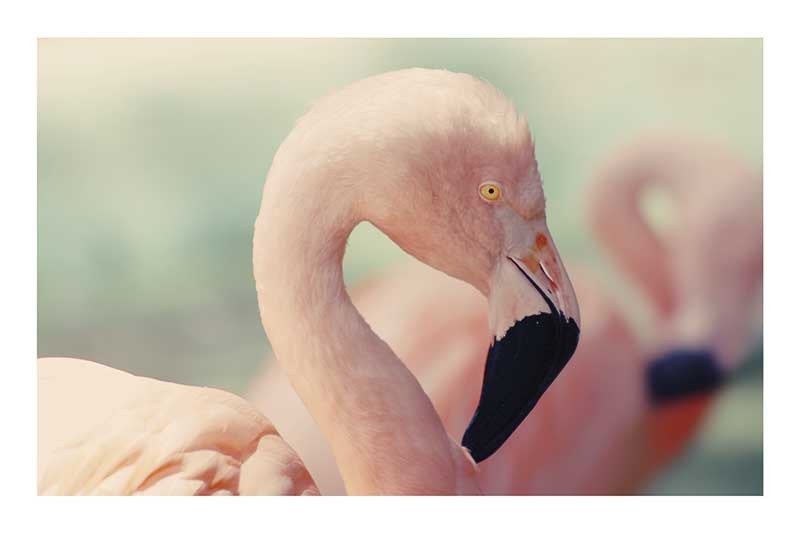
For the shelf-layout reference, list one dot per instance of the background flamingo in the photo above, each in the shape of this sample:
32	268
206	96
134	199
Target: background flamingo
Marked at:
480	218
616	435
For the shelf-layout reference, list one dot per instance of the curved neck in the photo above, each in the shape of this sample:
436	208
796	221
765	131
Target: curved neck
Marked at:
618	222
382	428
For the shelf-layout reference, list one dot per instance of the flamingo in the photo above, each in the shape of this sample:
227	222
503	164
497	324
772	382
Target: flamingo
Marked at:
702	276
625	405
444	165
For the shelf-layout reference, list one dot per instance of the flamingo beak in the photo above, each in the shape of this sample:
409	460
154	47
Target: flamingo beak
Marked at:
535	319
682	373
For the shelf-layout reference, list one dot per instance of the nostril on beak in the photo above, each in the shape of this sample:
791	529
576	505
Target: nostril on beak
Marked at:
681	373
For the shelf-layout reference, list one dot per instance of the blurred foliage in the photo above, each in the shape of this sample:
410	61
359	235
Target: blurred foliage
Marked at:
152	155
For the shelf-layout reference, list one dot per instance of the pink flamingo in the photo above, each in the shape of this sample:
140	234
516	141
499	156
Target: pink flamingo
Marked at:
444	165
702	276
609	428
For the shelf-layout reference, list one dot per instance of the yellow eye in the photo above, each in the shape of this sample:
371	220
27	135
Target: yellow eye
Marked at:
490	191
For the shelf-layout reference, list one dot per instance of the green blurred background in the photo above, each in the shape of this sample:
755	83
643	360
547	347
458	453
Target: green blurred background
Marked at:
152	156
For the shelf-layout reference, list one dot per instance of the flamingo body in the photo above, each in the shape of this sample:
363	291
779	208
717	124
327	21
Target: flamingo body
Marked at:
103	431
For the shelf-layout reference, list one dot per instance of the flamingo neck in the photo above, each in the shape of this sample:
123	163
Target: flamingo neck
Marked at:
382	428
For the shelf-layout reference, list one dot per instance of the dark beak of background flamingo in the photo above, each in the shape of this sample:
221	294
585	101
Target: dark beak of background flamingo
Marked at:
682	373
522	364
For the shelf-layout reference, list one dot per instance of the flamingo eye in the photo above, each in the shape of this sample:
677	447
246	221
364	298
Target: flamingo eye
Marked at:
490	191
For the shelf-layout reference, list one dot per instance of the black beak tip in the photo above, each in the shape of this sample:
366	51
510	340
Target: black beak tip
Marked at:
519	369
477	451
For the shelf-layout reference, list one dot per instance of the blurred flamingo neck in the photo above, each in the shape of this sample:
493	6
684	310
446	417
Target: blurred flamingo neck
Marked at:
382	428
619	224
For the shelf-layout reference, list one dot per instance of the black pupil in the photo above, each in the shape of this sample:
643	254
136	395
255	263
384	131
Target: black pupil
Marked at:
491	191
